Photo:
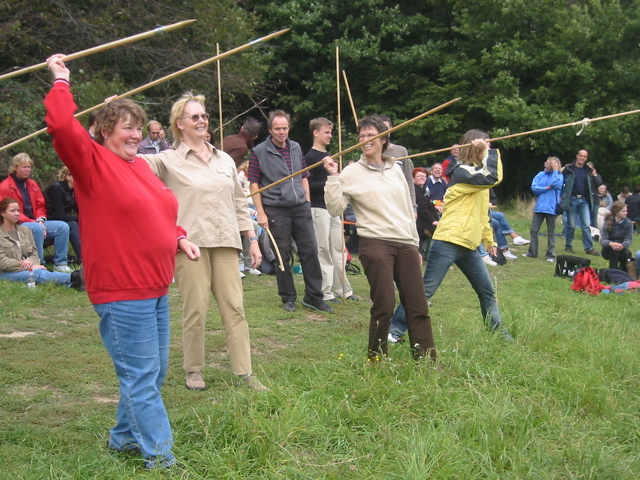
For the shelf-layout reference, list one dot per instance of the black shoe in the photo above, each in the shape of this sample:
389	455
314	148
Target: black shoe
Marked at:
290	306
334	300
353	298
593	252
77	280
569	250
322	306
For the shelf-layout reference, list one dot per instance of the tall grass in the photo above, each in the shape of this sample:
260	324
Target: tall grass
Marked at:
561	402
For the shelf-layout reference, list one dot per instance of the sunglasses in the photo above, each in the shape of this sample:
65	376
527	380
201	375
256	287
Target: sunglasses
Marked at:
195	118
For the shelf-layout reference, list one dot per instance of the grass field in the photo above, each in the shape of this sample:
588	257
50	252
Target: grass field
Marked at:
561	402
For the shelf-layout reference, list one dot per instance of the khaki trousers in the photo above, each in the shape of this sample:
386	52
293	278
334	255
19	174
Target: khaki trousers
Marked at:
329	239
216	272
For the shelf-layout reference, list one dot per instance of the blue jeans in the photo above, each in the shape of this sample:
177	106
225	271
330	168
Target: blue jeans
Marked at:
56	230
136	335
74	238
501	228
41	275
579	211
441	257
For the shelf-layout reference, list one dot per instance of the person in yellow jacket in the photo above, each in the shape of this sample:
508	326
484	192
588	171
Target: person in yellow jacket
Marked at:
465	224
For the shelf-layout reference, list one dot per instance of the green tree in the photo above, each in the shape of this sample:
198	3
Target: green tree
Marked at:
517	65
31	31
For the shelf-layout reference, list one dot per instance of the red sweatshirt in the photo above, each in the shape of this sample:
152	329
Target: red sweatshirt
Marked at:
8	188
127	216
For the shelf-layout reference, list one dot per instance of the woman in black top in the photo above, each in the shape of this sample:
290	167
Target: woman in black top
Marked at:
61	205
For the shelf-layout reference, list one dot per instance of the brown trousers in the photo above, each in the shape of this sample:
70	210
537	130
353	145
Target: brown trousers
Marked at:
386	262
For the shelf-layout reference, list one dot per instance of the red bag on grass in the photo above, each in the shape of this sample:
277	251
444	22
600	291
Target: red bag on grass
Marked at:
586	280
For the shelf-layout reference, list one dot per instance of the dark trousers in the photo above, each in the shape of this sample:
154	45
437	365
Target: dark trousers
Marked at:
295	222
617	258
74	238
384	263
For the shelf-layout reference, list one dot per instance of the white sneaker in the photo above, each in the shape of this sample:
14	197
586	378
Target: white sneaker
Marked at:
520	241
62	269
391	338
488	262
509	255
253	271
242	275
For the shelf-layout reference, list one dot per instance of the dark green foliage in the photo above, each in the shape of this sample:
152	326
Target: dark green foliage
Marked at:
518	66
31	31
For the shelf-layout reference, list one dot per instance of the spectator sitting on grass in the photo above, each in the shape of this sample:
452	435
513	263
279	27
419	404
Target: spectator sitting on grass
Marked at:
617	235
33	211
19	256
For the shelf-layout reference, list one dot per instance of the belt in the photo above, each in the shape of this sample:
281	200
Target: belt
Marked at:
577	196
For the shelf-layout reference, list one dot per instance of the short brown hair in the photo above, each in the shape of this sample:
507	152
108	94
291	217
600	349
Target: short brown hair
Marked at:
116	111
375	121
317	123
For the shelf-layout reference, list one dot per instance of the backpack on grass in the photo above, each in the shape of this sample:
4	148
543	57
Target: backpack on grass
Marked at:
586	280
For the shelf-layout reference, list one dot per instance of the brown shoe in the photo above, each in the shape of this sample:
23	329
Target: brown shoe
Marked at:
252	382
195	381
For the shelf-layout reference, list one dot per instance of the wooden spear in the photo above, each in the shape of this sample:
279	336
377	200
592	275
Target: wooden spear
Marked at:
159	81
219	97
584	122
102	48
358	145
353	107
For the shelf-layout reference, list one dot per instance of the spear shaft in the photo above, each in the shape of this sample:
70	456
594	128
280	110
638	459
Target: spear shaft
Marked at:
157	82
103	47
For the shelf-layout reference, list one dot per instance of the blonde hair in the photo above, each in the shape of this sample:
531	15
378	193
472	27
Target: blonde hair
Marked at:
556	160
19	159
177	111
62	174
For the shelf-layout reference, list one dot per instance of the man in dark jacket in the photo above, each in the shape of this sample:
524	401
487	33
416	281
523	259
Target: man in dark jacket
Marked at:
578	194
286	211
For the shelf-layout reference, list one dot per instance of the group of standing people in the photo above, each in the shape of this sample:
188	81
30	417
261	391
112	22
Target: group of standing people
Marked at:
577	192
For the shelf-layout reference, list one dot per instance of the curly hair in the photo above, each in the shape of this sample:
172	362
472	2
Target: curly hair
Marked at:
114	112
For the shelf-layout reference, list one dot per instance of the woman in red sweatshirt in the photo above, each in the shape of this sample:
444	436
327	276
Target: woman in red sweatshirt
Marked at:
129	237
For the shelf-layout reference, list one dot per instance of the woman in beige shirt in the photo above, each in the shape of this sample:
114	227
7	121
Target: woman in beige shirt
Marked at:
213	209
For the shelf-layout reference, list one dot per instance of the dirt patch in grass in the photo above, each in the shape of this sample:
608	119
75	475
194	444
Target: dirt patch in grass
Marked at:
108	400
18	334
26	334
313	317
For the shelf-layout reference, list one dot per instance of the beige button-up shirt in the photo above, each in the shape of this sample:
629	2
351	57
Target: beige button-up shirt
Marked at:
212	207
